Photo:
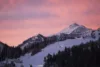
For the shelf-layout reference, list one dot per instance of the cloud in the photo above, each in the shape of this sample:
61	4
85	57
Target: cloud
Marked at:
44	16
93	8
35	2
11	4
92	12
24	16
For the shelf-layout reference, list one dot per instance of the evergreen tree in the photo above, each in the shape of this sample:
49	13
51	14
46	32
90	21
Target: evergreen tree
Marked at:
31	66
83	55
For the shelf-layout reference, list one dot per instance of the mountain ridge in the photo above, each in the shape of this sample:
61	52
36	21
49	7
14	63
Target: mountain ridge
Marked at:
72	27
37	47
75	30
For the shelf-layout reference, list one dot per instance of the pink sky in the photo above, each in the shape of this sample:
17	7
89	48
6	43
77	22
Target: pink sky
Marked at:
21	19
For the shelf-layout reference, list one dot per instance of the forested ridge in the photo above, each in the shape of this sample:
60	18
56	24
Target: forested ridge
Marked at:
83	55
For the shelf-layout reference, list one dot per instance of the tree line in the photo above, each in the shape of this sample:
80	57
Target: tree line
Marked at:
10	52
83	55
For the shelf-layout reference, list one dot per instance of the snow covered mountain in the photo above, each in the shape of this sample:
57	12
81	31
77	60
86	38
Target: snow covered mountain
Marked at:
73	31
75	34
33	40
38	59
85	35
78	30
71	28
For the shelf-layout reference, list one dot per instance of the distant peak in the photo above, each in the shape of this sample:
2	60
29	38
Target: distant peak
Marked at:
40	35
1	42
74	25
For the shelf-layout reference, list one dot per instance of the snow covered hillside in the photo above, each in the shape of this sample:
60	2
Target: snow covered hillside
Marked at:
33	40
37	60
71	28
74	27
78	30
74	30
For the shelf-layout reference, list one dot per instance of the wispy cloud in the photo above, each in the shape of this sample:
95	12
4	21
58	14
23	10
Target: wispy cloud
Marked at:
44	16
25	16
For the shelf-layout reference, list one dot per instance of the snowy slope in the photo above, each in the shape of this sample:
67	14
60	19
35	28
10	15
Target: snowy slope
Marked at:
37	60
35	39
71	28
74	30
77	29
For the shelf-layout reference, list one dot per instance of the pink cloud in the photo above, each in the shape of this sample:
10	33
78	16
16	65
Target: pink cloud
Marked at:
30	17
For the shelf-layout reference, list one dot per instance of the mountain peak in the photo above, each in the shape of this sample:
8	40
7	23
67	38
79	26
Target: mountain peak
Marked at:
70	28
74	25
